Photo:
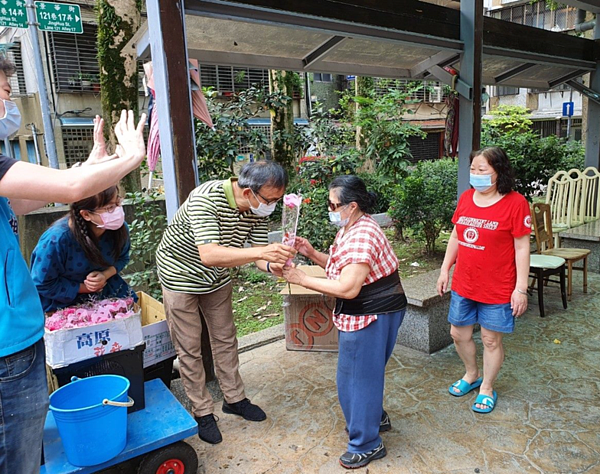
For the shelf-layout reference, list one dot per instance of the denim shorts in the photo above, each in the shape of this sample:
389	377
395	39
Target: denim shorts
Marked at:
494	317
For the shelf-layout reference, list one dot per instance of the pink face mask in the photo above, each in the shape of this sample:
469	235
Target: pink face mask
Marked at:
112	220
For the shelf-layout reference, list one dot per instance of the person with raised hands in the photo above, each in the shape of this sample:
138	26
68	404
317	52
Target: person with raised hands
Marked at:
24	391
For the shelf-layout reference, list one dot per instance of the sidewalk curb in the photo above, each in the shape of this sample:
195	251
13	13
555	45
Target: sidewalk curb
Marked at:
261	338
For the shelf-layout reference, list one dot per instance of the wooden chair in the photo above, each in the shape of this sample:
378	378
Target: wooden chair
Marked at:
591	178
542	226
559	196
541	268
577	197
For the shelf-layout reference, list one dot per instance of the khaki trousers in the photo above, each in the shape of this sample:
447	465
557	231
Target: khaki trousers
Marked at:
183	316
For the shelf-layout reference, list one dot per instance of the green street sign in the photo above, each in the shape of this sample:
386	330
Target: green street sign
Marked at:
60	17
13	14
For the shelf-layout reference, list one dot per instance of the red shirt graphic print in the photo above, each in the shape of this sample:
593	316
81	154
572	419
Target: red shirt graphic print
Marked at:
485	266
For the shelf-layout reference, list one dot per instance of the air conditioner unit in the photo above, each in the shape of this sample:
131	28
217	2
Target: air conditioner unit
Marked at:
435	94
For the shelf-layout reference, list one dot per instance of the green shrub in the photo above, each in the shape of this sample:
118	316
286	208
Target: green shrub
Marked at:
145	231
534	159
314	222
425	200
573	155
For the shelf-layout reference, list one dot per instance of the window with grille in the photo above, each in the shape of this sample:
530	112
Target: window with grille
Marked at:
506	90
74	60
229	79
545	128
322	77
264	130
12	52
427	148
77	143
424	91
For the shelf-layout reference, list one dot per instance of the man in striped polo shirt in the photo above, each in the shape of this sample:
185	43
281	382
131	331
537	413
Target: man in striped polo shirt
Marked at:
205	238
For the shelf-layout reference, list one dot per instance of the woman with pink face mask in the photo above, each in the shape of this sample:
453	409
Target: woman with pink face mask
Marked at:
80	256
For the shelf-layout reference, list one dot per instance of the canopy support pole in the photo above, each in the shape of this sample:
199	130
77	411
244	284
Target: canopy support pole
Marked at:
469	136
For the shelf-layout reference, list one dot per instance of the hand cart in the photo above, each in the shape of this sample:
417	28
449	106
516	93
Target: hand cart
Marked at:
156	433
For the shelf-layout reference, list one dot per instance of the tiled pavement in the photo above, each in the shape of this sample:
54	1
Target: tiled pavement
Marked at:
547	419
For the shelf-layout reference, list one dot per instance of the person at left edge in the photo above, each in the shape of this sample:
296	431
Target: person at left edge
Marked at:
10	122
23	388
80	256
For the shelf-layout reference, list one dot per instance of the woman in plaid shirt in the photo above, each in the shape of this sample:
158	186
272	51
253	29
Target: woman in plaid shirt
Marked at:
362	274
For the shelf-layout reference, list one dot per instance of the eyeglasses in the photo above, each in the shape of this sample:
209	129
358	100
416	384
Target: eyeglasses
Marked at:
110	208
267	201
333	206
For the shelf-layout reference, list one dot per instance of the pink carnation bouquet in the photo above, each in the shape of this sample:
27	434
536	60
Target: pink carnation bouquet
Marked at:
88	314
289	219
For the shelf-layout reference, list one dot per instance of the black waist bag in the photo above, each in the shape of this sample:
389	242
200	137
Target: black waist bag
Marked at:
383	296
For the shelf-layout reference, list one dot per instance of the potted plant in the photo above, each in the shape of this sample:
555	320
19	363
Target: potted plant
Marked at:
87	79
74	82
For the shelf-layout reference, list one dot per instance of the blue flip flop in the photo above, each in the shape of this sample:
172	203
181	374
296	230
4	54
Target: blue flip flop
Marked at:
489	402
464	387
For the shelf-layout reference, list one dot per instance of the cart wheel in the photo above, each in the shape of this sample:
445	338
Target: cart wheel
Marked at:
178	458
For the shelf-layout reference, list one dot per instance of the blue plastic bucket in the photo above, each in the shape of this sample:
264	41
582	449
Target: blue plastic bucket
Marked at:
92	430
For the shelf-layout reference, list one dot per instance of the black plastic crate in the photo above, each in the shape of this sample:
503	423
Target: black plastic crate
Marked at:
128	363
161	370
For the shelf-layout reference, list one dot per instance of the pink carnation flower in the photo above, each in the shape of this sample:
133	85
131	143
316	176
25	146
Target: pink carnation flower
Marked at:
97	312
292	200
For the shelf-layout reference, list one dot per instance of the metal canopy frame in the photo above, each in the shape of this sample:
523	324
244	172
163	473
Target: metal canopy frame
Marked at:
510	54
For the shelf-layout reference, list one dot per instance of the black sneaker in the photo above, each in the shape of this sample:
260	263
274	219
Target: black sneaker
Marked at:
384	424
245	409
208	430
354	460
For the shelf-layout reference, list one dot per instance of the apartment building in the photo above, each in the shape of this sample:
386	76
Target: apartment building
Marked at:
72	77
546	106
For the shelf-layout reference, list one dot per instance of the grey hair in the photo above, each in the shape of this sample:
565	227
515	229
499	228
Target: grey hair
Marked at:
351	188
7	67
262	173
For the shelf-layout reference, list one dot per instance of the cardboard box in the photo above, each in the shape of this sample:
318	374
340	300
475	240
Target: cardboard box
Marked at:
309	316
67	346
155	330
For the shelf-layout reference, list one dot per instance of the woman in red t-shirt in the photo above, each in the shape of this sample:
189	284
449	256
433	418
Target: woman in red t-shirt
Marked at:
490	247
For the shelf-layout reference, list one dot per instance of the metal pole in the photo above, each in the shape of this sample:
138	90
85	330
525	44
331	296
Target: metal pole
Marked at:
34	133
49	143
469	121
592	122
569	117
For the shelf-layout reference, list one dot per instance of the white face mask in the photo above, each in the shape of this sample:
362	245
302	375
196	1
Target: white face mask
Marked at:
263	210
11	123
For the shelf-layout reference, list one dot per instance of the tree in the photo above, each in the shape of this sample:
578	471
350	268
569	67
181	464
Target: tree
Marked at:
118	20
282	115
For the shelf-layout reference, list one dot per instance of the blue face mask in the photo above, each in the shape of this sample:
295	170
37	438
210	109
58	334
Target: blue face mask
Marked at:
11	122
336	219
481	182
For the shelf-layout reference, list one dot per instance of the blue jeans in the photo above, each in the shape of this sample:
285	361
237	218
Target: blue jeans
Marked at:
362	358
23	407
466	312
